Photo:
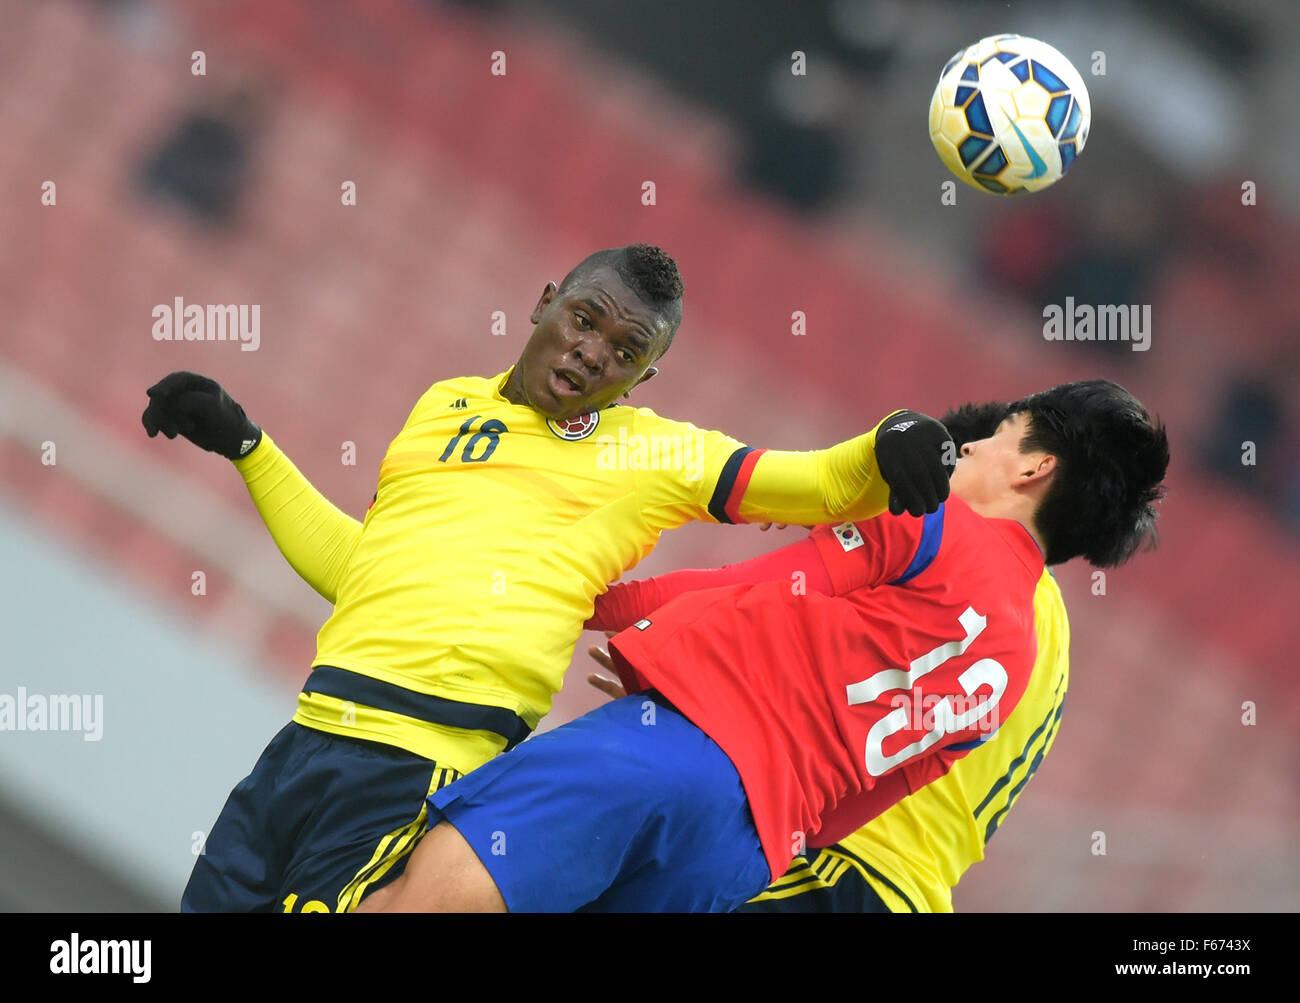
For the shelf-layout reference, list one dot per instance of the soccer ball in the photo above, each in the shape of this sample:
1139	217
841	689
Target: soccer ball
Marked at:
1009	114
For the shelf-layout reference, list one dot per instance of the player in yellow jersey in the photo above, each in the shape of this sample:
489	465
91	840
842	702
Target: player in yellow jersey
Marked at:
505	505
910	857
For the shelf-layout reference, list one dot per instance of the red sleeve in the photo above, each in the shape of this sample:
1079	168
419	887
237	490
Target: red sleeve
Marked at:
833	559
872	552
626	603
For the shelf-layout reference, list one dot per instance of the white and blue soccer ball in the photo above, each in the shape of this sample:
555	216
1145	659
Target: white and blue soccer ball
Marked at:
1010	114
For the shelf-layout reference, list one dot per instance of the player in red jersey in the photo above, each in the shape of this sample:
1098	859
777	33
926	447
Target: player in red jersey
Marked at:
770	719
909	857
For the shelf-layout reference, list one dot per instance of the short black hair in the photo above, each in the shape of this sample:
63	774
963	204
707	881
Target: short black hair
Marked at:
645	269
971	422
1111	457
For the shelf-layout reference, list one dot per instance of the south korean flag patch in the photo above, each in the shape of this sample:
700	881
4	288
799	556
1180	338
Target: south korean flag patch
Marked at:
848	536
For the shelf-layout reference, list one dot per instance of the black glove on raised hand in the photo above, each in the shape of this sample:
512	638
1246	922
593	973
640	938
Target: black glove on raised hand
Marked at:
916	456
197	408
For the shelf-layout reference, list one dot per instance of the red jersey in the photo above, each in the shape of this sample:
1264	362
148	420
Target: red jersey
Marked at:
834	707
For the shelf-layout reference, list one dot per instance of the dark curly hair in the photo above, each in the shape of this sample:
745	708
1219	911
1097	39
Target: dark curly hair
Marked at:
645	269
1111	457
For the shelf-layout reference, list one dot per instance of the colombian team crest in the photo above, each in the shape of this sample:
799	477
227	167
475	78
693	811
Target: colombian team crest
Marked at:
578	427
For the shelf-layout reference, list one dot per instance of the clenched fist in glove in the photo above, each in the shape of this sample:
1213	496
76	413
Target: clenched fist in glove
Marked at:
916	456
197	408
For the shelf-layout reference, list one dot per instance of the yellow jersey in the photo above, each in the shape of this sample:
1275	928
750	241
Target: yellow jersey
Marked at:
459	599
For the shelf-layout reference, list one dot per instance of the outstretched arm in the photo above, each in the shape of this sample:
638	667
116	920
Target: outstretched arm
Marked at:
314	535
900	465
848	475
627	602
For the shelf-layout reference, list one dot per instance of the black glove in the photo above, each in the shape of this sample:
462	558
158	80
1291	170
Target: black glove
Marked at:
911	450
200	410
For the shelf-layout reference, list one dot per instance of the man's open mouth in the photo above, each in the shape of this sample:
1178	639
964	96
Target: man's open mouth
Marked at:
566	384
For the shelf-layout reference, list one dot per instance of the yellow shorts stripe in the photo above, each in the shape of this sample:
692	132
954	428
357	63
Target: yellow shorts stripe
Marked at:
799	873
393	847
833	873
375	858
403	846
806	878
825	863
892	899
826	871
785	893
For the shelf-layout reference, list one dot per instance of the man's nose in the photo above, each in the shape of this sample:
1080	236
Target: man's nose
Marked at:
968	449
587	352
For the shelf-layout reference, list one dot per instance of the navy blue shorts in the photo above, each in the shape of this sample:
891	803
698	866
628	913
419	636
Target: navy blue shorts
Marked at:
630	808
319	822
830	880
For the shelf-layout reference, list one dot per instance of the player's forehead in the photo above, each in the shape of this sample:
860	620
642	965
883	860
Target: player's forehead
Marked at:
606	295
1012	429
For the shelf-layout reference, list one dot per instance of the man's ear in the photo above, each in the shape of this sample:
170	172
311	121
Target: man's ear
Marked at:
548	294
1043	468
648	374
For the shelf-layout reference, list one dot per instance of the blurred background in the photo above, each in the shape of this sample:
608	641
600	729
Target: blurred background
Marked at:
776	193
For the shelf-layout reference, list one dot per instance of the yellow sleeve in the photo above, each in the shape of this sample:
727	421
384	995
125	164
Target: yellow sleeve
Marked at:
684	472
315	537
826	485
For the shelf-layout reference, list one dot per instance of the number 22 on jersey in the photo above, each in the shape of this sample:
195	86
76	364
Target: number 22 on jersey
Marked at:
948	717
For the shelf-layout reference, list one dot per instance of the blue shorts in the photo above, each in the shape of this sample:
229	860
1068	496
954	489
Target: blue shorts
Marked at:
630	808
321	821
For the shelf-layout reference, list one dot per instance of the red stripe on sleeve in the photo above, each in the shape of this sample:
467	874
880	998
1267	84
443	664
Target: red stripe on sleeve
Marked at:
732	507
